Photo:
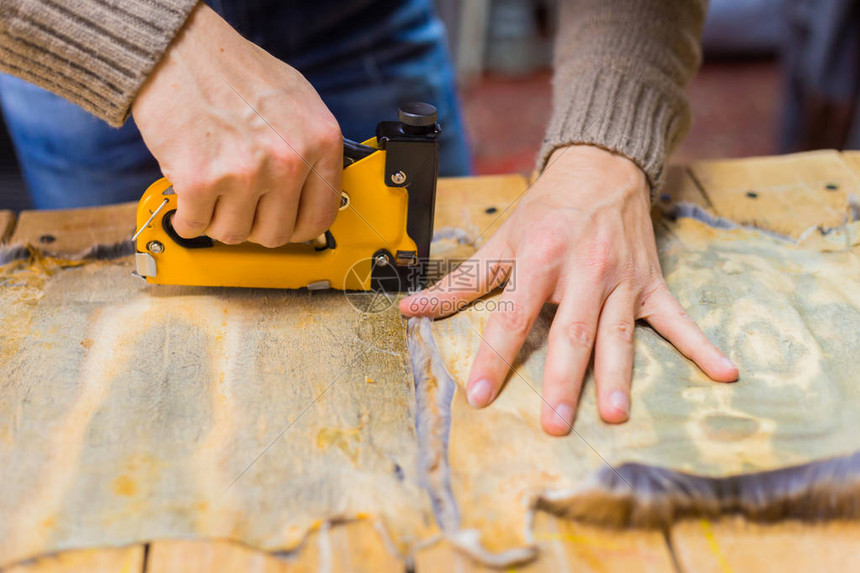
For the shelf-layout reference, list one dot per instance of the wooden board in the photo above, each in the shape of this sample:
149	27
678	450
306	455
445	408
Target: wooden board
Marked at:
109	560
74	231
680	187
348	547
785	194
7	224
477	205
566	546
734	545
852	158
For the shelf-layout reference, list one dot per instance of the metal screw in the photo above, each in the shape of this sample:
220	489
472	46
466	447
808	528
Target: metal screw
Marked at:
344	201
381	260
155	247
398	178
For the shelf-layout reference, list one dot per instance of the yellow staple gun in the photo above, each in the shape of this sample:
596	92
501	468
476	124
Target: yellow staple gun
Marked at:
379	239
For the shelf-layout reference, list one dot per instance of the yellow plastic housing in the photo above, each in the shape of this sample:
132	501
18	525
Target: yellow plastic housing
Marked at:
375	219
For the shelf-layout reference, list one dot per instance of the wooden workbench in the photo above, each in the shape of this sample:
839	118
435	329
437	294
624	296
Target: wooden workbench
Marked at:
784	194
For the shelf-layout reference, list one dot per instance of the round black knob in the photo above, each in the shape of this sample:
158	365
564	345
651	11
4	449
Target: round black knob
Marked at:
417	114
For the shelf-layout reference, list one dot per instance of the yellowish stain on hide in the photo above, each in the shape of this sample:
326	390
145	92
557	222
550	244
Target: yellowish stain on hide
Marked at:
33	273
124	486
87	343
729	428
345	439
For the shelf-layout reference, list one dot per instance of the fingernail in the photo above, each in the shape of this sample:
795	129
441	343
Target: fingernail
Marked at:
565	412
479	393
727	363
620	401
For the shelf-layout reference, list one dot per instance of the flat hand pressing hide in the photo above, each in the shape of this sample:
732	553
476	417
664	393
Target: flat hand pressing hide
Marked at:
582	238
252	151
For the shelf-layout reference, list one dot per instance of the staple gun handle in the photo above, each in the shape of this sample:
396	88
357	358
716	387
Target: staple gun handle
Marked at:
201	242
354	151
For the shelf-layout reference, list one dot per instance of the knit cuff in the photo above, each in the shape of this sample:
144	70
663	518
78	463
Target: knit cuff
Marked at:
96	54
601	106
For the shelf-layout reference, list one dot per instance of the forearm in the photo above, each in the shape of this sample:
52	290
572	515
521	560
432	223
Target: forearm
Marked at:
620	69
96	54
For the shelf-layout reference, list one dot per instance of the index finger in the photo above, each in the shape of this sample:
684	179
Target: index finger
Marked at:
473	278
193	212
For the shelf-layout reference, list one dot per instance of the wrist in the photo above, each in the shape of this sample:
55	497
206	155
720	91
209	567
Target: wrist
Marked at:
584	154
200	26
598	167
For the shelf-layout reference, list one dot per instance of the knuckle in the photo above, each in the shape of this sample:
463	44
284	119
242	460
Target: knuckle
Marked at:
244	169
201	185
194	186
599	258
330	135
650	294
514	321
292	168
623	331
578	335
550	246
230	237
318	224
327	214
195	224
283	154
272	241
682	314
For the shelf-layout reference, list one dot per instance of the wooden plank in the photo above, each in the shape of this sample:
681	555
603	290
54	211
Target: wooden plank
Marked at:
7	224
73	231
786	194
733	544
681	188
852	158
348	547
108	560
564	545
477	205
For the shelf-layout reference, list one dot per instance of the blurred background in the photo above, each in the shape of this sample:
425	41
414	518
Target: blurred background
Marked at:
778	76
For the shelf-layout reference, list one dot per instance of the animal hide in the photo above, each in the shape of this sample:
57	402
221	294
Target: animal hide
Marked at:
130	412
784	441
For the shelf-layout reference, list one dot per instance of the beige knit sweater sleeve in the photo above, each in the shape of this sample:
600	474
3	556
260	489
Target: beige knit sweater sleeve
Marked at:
620	68
96	53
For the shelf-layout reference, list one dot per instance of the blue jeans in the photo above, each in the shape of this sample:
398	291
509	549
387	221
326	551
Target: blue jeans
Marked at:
363	57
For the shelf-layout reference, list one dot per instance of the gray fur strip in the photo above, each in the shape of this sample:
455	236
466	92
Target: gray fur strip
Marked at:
96	252
434	390
655	496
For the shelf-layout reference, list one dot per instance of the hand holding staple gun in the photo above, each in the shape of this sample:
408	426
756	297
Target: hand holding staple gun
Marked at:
252	151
